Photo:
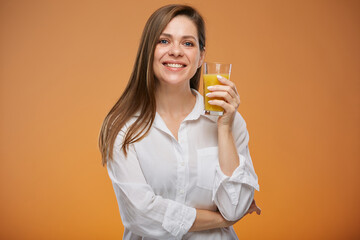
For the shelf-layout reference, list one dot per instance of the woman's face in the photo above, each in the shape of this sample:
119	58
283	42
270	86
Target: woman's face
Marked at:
177	54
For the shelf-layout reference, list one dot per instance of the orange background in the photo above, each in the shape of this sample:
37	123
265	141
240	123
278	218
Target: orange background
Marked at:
63	64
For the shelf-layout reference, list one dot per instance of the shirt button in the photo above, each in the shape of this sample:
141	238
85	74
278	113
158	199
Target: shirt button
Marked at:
182	164
182	191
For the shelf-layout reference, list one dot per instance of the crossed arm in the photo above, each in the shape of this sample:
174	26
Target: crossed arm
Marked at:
206	219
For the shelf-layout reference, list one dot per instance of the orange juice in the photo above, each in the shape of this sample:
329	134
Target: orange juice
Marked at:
210	80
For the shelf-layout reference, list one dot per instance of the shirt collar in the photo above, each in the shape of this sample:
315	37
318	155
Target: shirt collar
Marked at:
198	109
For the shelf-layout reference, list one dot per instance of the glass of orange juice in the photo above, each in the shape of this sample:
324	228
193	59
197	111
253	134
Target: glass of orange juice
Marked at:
211	70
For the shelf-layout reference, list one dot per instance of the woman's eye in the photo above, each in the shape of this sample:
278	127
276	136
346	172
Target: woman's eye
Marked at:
163	41
189	44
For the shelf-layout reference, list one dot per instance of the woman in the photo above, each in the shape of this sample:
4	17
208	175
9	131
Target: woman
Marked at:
176	173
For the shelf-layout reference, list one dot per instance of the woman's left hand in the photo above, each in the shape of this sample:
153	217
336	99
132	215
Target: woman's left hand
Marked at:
229	100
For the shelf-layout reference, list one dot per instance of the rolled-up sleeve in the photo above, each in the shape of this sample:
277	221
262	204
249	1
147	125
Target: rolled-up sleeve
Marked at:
233	194
142	212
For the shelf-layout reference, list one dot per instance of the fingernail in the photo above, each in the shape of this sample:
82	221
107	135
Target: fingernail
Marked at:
219	77
210	101
208	94
210	87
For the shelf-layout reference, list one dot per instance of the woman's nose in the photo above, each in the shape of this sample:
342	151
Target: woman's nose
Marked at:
175	50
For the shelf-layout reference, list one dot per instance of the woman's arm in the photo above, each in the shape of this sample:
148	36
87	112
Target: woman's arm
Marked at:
206	220
235	179
228	155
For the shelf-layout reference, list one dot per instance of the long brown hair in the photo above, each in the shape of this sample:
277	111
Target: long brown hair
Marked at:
139	94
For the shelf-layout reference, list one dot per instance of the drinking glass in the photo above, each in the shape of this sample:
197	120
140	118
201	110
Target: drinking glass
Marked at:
211	70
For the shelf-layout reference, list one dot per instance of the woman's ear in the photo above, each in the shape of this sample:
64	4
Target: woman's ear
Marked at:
202	57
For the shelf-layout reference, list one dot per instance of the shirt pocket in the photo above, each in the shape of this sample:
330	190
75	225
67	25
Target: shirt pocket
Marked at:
207	160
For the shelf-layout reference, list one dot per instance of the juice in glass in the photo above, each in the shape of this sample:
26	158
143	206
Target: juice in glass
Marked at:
211	80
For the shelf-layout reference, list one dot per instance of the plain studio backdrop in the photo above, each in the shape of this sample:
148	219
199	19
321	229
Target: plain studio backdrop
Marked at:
63	64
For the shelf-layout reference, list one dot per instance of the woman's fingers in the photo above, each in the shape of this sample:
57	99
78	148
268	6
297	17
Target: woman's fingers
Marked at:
229	83
228	108
254	208
224	88
235	101
226	81
227	97
227	91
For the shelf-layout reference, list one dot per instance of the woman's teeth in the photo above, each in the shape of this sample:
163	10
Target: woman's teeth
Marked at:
174	65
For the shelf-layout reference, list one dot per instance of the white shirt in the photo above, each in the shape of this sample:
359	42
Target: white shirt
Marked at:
162	180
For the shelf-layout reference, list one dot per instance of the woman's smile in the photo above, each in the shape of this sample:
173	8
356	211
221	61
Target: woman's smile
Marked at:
174	65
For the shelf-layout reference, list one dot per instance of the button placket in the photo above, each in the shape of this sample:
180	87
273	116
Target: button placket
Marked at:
182	166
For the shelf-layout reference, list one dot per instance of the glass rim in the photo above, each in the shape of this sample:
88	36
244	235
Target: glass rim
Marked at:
222	63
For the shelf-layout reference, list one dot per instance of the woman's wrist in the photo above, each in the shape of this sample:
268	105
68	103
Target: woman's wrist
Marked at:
224	129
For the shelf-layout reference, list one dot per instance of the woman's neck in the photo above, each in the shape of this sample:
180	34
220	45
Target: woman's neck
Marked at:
174	101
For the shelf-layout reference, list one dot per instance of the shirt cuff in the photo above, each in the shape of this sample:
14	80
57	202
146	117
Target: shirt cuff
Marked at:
243	174
178	219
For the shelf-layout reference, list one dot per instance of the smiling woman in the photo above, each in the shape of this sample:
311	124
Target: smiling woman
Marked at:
176	172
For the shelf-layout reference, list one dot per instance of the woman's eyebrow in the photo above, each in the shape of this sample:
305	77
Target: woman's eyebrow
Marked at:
185	36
